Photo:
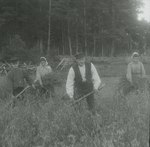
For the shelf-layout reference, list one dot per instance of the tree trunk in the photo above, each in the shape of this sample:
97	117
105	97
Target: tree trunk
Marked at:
100	32
63	48
40	41
62	39
49	28
102	46
77	43
94	41
69	39
112	48
130	43
85	27
41	46
112	12
76	36
144	45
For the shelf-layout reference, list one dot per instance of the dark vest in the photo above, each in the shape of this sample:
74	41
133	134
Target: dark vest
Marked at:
83	86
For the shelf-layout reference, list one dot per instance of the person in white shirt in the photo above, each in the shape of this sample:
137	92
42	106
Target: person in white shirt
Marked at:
42	70
135	71
82	79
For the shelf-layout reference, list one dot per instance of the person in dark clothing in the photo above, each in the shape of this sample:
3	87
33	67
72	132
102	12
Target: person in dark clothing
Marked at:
18	78
82	79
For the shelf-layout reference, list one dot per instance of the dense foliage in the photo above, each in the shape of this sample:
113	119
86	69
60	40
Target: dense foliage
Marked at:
52	27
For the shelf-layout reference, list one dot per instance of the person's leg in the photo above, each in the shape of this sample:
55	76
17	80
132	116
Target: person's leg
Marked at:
79	107
91	103
16	91
52	90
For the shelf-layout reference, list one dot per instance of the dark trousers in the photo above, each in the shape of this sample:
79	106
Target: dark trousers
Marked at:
47	91
83	90
90	103
17	90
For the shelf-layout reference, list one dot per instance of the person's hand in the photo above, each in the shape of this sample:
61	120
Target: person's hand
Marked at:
96	91
71	101
130	80
65	97
41	85
101	86
33	86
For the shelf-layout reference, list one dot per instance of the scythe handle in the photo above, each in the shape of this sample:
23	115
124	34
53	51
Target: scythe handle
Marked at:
83	97
22	91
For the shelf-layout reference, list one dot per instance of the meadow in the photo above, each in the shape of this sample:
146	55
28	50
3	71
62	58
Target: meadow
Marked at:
40	121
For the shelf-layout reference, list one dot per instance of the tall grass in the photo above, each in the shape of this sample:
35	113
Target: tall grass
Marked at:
41	122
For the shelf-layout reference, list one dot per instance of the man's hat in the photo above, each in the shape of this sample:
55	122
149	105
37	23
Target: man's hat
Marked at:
79	55
43	59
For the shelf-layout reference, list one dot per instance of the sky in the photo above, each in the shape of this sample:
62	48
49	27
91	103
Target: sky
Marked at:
145	11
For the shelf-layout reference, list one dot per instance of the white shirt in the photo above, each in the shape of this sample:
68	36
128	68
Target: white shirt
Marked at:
41	72
135	68
71	76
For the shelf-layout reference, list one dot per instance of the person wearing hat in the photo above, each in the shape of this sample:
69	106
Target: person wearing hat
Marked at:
18	77
42	70
135	70
82	79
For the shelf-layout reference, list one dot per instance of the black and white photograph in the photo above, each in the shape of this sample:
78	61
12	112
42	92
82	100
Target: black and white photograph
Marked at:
74	73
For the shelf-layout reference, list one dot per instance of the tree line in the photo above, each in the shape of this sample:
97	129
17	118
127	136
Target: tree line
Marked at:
31	28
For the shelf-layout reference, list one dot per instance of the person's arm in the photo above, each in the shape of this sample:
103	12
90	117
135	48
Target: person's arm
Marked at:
38	76
70	83
129	73
143	70
50	69
27	77
10	75
95	77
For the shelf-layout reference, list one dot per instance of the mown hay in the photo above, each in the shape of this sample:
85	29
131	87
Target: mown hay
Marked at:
125	87
51	79
49	83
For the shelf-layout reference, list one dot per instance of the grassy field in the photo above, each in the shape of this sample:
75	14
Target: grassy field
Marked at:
116	70
38	121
